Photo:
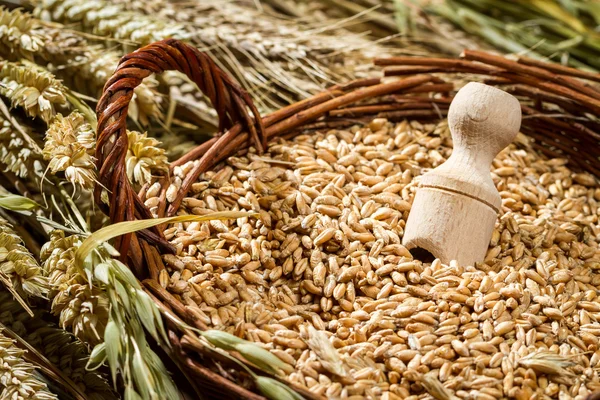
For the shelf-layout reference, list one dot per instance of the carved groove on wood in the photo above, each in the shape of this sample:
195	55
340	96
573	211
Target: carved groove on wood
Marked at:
456	204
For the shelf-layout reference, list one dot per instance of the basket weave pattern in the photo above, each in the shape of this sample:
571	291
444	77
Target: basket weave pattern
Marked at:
559	113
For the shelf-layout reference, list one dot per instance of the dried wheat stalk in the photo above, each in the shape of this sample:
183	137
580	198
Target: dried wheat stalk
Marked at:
272	58
82	309
109	19
19	271
15	153
36	91
144	157
17	378
83	65
69	147
18	38
60	347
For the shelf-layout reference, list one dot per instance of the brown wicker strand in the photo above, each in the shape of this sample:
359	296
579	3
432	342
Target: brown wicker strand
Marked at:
560	69
228	98
560	115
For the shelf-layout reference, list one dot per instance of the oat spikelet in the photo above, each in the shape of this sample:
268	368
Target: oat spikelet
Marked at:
60	347
19	267
19	37
143	157
69	147
81	309
37	91
17	379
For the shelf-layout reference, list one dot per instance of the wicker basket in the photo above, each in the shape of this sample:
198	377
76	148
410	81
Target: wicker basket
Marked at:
559	113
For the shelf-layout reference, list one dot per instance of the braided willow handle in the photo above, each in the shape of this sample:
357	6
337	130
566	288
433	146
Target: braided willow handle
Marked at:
229	99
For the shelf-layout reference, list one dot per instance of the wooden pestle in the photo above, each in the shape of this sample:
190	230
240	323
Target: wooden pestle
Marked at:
456	205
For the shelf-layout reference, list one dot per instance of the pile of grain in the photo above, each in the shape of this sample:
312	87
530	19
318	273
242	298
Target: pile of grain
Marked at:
321	278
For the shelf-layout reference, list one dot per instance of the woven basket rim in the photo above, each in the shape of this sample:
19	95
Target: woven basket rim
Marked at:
561	117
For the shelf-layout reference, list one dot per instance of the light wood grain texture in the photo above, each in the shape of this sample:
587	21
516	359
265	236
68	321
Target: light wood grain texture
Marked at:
456	205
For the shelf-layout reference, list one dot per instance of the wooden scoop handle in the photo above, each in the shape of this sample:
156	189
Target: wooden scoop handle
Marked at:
456	205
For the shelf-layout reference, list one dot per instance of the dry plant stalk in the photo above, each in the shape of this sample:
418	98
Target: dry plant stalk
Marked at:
323	263
272	58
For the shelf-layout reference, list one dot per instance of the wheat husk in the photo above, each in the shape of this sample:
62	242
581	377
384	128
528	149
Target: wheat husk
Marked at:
17	378
20	272
82	64
81	308
60	347
69	146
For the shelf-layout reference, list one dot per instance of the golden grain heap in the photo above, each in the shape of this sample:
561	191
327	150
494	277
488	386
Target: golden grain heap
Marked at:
321	279
313	275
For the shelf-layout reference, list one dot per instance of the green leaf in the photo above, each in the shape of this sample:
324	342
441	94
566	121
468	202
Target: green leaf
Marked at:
131	394
97	357
143	307
123	228
159	324
124	273
593	9
14	202
555	11
141	375
262	358
139	336
123	295
275	390
112	339
164	381
102	272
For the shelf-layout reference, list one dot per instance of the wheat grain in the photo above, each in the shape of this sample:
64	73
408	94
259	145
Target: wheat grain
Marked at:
392	321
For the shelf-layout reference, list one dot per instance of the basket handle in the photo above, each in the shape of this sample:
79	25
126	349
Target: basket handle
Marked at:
229	99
